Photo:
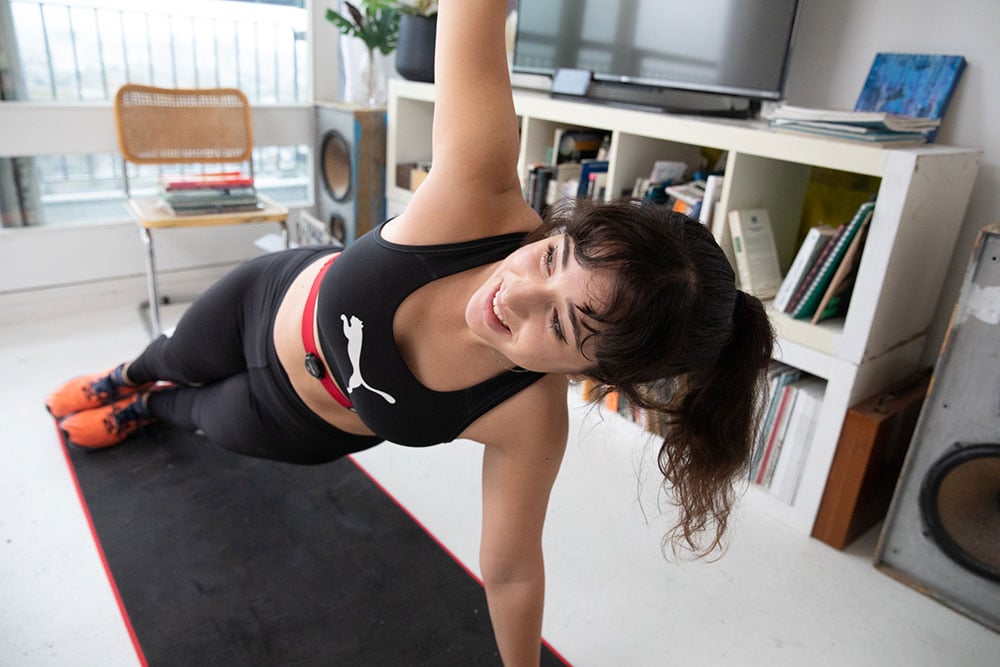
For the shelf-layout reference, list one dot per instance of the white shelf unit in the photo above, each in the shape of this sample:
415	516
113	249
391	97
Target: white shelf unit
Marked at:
921	202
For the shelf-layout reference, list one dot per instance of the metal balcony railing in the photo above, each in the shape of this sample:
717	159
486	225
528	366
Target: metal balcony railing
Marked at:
83	50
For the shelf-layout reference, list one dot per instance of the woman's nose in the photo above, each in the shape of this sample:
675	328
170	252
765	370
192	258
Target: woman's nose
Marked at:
525	297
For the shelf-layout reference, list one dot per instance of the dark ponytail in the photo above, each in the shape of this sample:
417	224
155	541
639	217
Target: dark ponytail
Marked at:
679	340
710	420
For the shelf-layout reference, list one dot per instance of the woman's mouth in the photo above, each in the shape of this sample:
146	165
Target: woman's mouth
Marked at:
493	312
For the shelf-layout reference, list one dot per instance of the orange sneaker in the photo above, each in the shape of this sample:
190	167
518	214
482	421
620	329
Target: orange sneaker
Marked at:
106	425
87	392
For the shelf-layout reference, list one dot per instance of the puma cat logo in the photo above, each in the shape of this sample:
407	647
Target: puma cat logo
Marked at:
353	332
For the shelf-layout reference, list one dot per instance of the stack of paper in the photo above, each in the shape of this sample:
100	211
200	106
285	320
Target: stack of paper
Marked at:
877	127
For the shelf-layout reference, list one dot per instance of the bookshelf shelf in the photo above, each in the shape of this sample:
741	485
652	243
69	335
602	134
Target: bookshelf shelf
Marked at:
922	198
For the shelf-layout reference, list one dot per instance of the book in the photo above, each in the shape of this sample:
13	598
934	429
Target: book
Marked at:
224	179
194	196
873	120
713	194
786	405
564	183
778	375
870	136
670	171
810	277
911	84
211	210
838	293
798	439
755	251
589	168
809	251
814	292
690	193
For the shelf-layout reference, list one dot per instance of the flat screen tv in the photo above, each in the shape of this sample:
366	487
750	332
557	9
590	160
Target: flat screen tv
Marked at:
695	55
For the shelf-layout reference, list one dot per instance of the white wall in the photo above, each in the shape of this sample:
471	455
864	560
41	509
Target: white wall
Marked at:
836	43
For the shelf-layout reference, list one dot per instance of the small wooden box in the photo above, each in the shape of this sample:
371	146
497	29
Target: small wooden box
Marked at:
866	465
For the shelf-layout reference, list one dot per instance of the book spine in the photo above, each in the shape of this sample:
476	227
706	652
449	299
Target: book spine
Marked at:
810	299
813	270
810	249
774	437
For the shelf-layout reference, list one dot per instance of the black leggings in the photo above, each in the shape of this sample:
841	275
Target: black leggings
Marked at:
229	383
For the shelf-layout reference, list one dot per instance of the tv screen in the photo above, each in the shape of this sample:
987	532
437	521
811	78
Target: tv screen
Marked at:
731	47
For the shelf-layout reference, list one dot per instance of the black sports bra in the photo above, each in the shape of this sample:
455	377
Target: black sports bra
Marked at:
357	301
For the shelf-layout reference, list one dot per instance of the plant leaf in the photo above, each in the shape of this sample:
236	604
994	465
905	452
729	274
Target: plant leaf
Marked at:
359	18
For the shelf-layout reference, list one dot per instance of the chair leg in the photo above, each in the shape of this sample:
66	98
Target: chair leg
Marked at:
151	286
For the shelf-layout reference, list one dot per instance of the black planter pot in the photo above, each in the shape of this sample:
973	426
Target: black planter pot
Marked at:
415	49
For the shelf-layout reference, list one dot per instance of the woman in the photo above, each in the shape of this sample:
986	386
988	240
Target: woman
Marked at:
464	317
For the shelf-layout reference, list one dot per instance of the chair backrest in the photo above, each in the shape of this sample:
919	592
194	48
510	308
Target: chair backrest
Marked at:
183	125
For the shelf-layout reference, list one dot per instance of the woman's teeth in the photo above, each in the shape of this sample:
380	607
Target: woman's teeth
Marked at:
496	309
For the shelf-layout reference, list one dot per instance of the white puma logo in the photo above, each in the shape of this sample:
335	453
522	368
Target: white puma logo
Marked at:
353	331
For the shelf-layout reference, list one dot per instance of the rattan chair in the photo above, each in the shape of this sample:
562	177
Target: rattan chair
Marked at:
208	127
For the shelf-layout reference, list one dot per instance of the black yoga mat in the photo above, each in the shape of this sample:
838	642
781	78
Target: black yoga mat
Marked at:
220	559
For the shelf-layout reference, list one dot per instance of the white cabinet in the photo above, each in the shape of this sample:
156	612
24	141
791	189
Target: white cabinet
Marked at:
921	203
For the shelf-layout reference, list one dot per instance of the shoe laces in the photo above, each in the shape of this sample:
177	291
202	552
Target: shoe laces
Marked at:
106	387
125	418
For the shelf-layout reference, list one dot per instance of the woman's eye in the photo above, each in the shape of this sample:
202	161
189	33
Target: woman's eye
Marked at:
557	327
550	255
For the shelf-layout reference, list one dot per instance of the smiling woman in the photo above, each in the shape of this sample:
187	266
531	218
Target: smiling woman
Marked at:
462	318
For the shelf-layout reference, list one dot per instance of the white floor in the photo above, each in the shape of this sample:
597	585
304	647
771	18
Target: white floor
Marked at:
776	598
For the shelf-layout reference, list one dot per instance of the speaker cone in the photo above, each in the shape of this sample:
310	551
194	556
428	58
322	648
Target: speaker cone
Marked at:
960	506
335	161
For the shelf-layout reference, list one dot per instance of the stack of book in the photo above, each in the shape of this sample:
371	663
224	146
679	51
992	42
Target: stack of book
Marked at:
820	281
783	439
667	185
873	127
575	166
203	194
903	100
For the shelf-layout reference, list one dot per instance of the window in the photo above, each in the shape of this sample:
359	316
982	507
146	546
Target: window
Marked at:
83	50
79	50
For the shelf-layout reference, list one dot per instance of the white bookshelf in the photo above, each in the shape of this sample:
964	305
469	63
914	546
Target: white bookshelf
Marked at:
921	202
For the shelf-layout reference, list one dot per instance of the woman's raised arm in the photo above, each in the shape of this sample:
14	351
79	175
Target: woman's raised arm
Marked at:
472	189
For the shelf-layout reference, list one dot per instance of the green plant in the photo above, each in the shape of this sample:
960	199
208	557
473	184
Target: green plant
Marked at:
377	25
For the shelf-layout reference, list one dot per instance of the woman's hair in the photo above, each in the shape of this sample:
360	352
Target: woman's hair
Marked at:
676	337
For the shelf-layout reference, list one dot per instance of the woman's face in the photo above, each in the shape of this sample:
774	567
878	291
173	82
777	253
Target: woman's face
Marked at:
530	308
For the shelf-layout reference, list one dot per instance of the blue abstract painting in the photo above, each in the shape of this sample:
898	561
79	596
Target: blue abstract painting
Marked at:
911	84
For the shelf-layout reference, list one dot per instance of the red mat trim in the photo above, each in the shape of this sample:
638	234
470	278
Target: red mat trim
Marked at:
420	524
100	551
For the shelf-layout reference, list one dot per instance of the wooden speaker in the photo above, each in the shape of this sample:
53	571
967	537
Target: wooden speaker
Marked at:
350	169
942	533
